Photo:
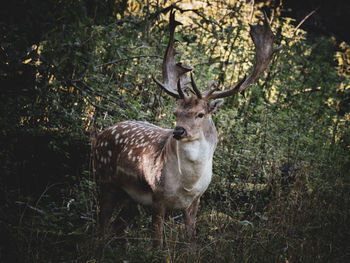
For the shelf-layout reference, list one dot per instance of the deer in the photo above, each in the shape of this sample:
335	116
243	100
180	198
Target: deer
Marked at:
170	168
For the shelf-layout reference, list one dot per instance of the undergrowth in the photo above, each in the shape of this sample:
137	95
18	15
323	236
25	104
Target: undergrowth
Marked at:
298	222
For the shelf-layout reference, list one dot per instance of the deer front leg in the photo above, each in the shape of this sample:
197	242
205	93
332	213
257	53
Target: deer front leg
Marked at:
158	212
190	219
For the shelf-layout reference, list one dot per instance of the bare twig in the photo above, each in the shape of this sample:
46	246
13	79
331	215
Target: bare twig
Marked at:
31	207
48	187
126	59
94	104
308	90
305	18
111	99
252	12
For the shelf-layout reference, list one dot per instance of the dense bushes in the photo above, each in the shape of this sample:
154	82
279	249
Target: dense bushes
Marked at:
280	190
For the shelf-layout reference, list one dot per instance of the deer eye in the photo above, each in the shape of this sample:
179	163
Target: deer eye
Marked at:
200	115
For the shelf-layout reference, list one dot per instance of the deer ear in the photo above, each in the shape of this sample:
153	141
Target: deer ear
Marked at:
215	104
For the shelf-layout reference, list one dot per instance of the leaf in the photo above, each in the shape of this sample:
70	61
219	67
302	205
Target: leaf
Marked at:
246	223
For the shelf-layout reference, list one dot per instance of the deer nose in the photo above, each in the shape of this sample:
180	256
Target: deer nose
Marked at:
179	132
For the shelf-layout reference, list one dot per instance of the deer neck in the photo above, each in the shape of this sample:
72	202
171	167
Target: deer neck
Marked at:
191	161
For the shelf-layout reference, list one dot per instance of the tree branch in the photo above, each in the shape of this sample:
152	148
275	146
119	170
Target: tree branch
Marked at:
126	59
305	18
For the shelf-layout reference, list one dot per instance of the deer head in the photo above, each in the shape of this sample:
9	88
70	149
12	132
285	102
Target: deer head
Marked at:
192	111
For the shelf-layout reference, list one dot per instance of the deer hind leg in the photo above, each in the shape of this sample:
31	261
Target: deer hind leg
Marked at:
106	205
117	209
116	212
158	212
190	219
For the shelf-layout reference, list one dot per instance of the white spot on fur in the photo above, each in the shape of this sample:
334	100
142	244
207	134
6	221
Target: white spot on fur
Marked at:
110	153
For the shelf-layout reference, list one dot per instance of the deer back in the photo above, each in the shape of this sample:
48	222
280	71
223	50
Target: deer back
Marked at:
131	155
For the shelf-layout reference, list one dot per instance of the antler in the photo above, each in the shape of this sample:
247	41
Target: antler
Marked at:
263	38
172	72
195	89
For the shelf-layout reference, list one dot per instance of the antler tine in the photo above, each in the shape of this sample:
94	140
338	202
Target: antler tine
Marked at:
214	94
179	90
195	89
209	85
209	90
168	91
263	38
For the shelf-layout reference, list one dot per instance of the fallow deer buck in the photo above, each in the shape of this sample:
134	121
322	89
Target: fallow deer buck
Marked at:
170	168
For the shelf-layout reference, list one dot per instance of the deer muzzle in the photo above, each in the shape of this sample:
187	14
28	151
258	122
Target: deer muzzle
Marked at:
179	132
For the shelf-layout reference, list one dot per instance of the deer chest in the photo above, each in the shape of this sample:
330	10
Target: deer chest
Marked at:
187	174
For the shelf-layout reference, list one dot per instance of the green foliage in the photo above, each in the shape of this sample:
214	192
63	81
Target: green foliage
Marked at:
280	190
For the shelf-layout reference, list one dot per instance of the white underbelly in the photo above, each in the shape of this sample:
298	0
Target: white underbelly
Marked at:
141	197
